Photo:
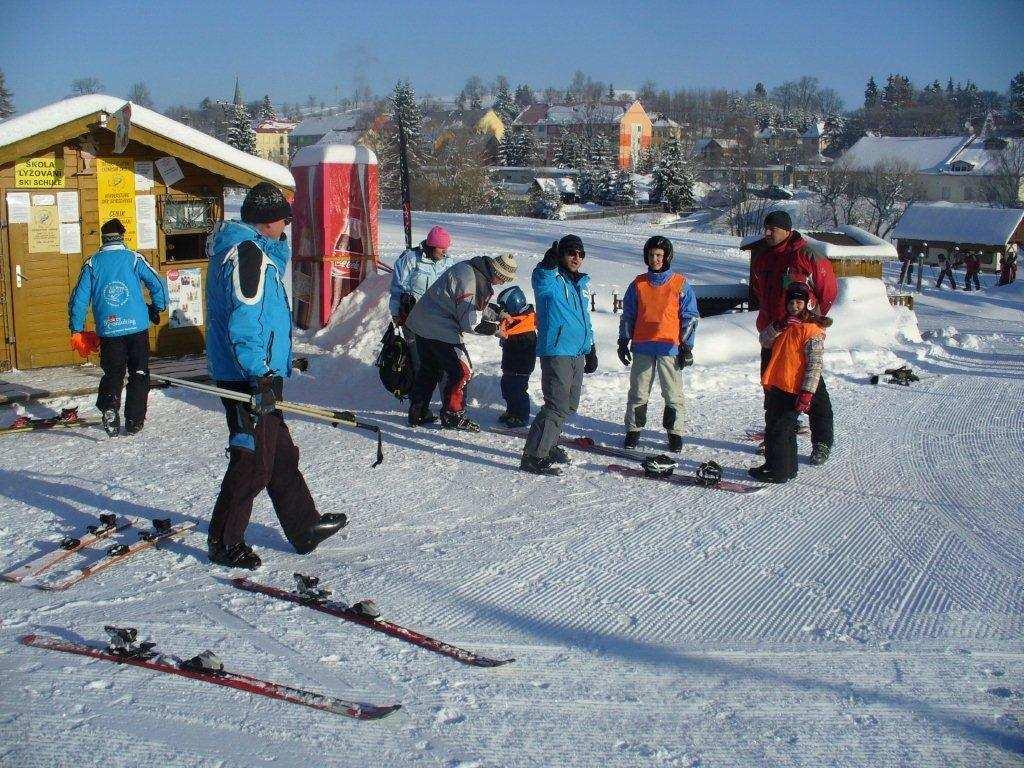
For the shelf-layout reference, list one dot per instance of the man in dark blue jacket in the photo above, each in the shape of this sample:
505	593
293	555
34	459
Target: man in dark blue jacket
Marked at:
111	282
249	349
565	346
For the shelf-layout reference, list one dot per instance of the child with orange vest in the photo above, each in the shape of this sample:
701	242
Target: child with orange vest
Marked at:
518	334
659	321
797	343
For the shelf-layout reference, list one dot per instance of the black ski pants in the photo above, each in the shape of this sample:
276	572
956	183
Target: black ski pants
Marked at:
946	272
780	425
442	360
271	463
972	276
907	271
119	354
820	417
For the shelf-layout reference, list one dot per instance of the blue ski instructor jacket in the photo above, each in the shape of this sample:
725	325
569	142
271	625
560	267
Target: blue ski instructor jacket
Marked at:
111	282
563	312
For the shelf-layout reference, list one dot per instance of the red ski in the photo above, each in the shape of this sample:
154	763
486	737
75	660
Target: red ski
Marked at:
342	611
720	485
68	417
108	526
254	685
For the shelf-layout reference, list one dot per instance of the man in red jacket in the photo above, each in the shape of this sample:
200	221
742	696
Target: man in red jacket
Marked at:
779	258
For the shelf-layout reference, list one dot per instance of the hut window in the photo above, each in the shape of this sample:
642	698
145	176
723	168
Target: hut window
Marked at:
191	216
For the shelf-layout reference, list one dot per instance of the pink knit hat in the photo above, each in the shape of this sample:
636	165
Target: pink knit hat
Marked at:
438	237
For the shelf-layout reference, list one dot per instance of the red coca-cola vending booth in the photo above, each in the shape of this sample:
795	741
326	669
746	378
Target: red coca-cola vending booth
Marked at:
335	229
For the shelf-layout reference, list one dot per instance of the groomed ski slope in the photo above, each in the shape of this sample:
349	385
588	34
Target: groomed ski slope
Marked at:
869	614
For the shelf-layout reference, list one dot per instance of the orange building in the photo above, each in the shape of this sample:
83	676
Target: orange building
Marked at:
635	132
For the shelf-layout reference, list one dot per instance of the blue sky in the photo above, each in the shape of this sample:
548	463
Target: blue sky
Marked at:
187	50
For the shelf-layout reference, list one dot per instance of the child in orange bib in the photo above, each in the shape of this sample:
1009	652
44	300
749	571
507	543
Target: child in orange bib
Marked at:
797	343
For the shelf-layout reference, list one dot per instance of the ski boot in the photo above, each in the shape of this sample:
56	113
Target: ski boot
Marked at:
539	466
675	442
457	420
632	439
820	453
367	609
512	422
111	422
124	642
68	415
308	587
205	663
132	427
420	415
558	455
239	555
764	474
328	525
709	473
21	422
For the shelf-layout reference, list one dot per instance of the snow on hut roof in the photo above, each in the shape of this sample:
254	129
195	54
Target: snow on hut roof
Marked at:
323	152
560	185
319	126
924	153
62	112
836	245
952	223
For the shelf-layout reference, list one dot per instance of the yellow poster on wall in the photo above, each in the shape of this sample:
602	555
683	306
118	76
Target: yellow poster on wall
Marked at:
39	172
115	186
43	229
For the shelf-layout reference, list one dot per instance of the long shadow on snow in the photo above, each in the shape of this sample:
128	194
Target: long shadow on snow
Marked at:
638	651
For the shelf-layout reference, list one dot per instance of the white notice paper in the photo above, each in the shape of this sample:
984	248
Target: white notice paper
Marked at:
43	200
143	175
17	207
70	238
170	171
145	222
67	207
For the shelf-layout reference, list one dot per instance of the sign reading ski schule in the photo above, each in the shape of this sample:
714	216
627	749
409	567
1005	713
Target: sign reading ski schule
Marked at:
39	172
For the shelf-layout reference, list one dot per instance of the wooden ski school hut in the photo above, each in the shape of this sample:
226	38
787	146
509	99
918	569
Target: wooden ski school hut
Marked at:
68	167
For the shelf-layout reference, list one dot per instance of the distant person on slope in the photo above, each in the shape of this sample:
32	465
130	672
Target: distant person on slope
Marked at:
249	350
779	258
656	334
796	345
972	267
565	345
457	303
416	269
1008	267
111	282
946	262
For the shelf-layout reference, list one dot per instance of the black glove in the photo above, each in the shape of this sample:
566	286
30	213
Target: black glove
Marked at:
264	395
624	354
154	314
685	357
405	304
591	365
550	260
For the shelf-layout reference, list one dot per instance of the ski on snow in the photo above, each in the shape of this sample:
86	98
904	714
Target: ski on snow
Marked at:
195	669
319	602
116	554
587	444
689	480
108	525
67	418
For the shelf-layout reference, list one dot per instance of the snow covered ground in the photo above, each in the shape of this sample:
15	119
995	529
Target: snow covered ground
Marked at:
869	614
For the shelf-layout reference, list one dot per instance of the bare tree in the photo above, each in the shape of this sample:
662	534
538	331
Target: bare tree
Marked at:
139	94
1004	187
889	187
86	85
830	186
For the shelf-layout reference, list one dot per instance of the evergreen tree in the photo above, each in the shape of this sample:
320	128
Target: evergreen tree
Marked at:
587	186
871	94
545	203
645	160
1015	98
505	106
266	109
898	92
518	147
604	187
599	153
760	92
6	104
571	151
405	108
240	133
673	176
622	190
525	96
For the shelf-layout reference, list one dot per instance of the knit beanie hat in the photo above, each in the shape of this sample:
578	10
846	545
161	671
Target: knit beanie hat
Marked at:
265	203
112	231
798	290
504	266
778	219
569	243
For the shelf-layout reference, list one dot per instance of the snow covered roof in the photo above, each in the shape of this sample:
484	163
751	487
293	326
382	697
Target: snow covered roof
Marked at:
323	152
701	144
953	223
814	131
573	114
318	126
979	161
59	113
560	185
866	245
928	154
272	126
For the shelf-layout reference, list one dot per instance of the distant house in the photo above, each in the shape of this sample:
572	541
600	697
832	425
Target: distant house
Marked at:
714	152
272	140
484	122
788	145
971	228
342	127
626	124
517	180
663	128
947	168
562	186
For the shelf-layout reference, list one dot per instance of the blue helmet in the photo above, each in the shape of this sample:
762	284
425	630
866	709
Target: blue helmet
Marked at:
512	300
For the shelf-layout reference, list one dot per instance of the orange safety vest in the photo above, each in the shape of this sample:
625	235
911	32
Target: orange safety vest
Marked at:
518	324
657	309
788	364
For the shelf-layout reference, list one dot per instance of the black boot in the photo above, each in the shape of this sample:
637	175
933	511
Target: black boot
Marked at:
239	555
419	414
132	427
820	453
675	442
558	455
632	439
458	420
329	525
111	422
764	474
538	466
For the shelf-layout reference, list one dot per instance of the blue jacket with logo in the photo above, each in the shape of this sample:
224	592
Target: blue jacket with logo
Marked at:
111	282
414	273
248	317
563	312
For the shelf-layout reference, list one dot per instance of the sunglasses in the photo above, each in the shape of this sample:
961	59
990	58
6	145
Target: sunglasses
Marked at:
577	252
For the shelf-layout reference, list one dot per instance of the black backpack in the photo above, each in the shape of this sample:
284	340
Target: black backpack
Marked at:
394	364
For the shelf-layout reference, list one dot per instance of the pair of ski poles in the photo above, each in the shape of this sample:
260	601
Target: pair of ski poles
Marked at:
334	417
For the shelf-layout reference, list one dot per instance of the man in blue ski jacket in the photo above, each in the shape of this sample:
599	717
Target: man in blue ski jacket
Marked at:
249	350
111	282
565	346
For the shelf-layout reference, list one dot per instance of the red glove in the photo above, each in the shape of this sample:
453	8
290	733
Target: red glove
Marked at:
803	402
85	342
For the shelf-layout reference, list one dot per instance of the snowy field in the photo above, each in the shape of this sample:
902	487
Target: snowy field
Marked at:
869	614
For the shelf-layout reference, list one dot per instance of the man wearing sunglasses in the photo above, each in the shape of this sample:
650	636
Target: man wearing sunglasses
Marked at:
249	349
565	346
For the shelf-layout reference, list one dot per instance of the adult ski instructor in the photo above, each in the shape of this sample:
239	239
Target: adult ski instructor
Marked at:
249	349
565	346
778	259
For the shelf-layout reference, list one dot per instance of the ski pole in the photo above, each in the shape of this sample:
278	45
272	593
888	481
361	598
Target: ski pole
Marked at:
335	417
